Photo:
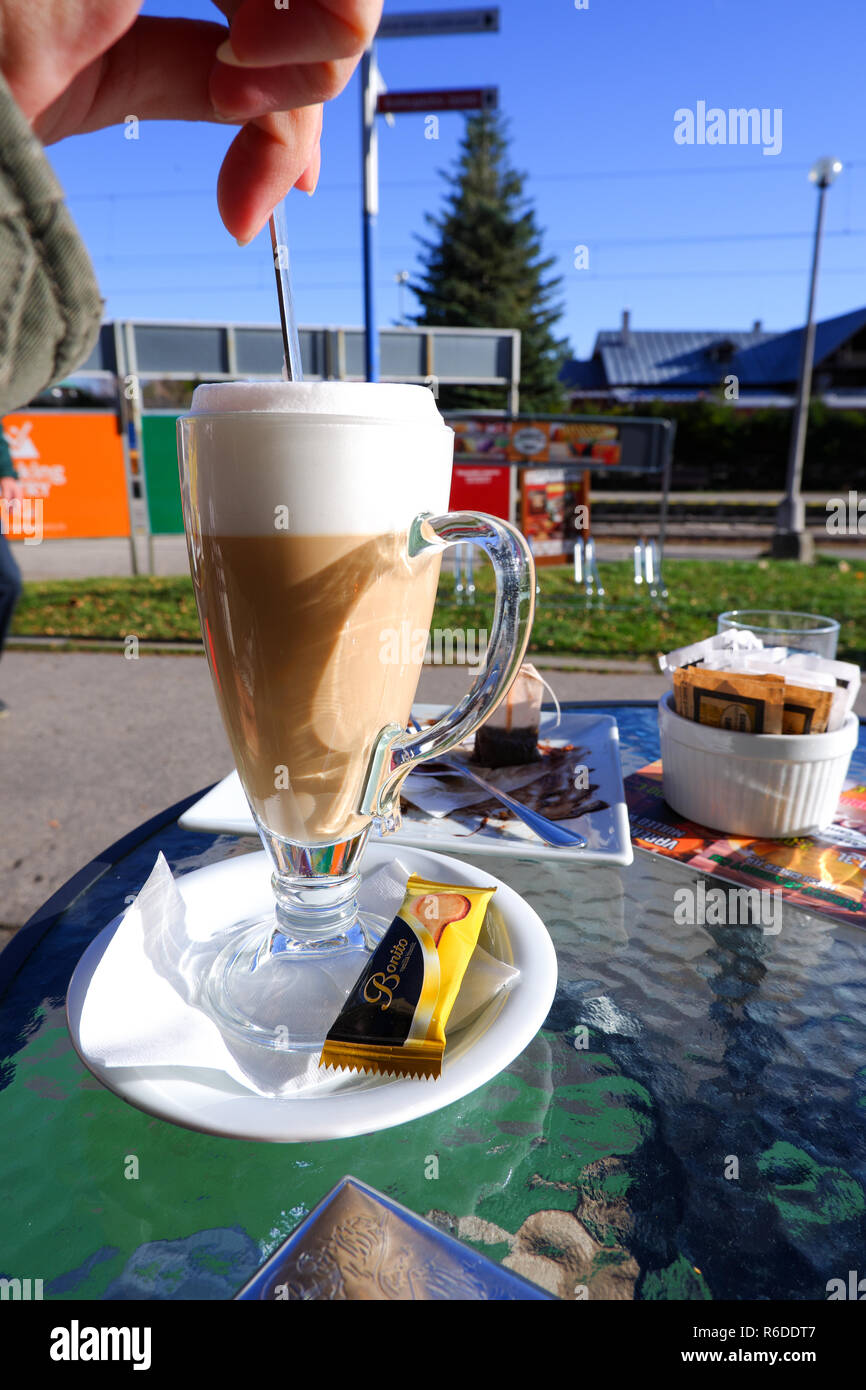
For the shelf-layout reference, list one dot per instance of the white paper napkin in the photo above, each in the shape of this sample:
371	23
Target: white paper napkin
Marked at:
142	1005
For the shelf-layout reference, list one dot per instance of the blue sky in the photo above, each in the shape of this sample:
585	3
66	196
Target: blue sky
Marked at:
685	236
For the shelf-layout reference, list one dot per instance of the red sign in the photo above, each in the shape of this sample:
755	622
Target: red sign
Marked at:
481	490
455	99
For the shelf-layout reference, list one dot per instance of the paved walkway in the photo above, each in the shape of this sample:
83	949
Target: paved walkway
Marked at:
96	744
84	559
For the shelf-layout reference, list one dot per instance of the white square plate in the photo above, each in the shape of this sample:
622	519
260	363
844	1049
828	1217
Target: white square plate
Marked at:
224	810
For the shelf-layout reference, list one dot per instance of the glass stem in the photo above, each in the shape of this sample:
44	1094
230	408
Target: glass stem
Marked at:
310	910
315	886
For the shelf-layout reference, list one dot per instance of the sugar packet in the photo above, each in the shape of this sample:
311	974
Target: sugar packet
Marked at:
750	704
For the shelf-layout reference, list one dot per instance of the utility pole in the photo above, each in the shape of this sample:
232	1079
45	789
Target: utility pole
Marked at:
791	540
417	24
370	173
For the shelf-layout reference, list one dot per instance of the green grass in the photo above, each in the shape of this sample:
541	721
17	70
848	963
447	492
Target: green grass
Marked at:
155	609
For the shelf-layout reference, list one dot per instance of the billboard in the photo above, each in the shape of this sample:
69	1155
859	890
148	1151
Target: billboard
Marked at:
539	441
71	467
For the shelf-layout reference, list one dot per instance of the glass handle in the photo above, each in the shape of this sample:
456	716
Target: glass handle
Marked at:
399	750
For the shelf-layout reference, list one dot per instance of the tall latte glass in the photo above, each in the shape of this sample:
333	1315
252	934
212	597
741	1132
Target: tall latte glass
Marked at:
316	519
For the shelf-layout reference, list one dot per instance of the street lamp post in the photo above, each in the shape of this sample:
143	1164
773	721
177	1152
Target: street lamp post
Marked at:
402	278
791	541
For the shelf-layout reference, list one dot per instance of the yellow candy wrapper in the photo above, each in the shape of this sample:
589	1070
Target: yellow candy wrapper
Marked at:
393	1021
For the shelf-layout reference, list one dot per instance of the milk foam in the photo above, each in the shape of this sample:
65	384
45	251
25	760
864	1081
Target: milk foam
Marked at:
380	400
264	446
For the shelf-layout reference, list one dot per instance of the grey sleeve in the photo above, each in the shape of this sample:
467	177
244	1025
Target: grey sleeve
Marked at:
50	306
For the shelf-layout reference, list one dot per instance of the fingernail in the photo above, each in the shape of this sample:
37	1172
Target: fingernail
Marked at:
226	54
241	241
309	191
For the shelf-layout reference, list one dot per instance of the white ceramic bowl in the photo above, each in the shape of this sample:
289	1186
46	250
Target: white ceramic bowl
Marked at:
762	785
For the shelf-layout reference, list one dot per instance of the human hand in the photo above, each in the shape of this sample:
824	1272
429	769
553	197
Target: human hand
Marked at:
11	490
78	65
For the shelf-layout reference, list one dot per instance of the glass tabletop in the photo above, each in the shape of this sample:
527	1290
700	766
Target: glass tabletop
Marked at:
688	1123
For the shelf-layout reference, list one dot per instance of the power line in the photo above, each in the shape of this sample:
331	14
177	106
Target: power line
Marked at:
671	172
572	177
595	243
714	274
703	239
593	277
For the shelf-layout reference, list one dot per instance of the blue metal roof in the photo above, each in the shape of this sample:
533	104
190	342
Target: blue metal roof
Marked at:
687	358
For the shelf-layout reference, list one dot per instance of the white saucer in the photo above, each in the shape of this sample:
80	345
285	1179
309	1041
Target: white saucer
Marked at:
344	1105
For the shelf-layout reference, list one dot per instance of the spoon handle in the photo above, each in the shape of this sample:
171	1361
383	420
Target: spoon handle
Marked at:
280	248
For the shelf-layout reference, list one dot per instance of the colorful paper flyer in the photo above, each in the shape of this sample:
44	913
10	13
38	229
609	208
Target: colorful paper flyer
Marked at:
823	873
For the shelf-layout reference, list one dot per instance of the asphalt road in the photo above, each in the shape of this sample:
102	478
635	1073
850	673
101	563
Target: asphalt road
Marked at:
95	744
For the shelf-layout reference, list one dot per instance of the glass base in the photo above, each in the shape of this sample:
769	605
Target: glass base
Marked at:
279	992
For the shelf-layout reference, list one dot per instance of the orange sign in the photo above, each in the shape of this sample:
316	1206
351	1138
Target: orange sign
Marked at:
71	466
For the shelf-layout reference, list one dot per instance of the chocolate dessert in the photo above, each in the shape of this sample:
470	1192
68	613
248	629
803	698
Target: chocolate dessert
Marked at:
552	792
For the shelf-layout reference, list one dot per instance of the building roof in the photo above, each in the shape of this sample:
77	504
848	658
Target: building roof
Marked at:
628	357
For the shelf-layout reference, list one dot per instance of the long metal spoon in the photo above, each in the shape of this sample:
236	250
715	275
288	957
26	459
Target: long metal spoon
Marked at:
280	248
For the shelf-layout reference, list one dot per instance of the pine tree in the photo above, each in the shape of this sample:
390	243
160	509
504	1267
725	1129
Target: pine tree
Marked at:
486	270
